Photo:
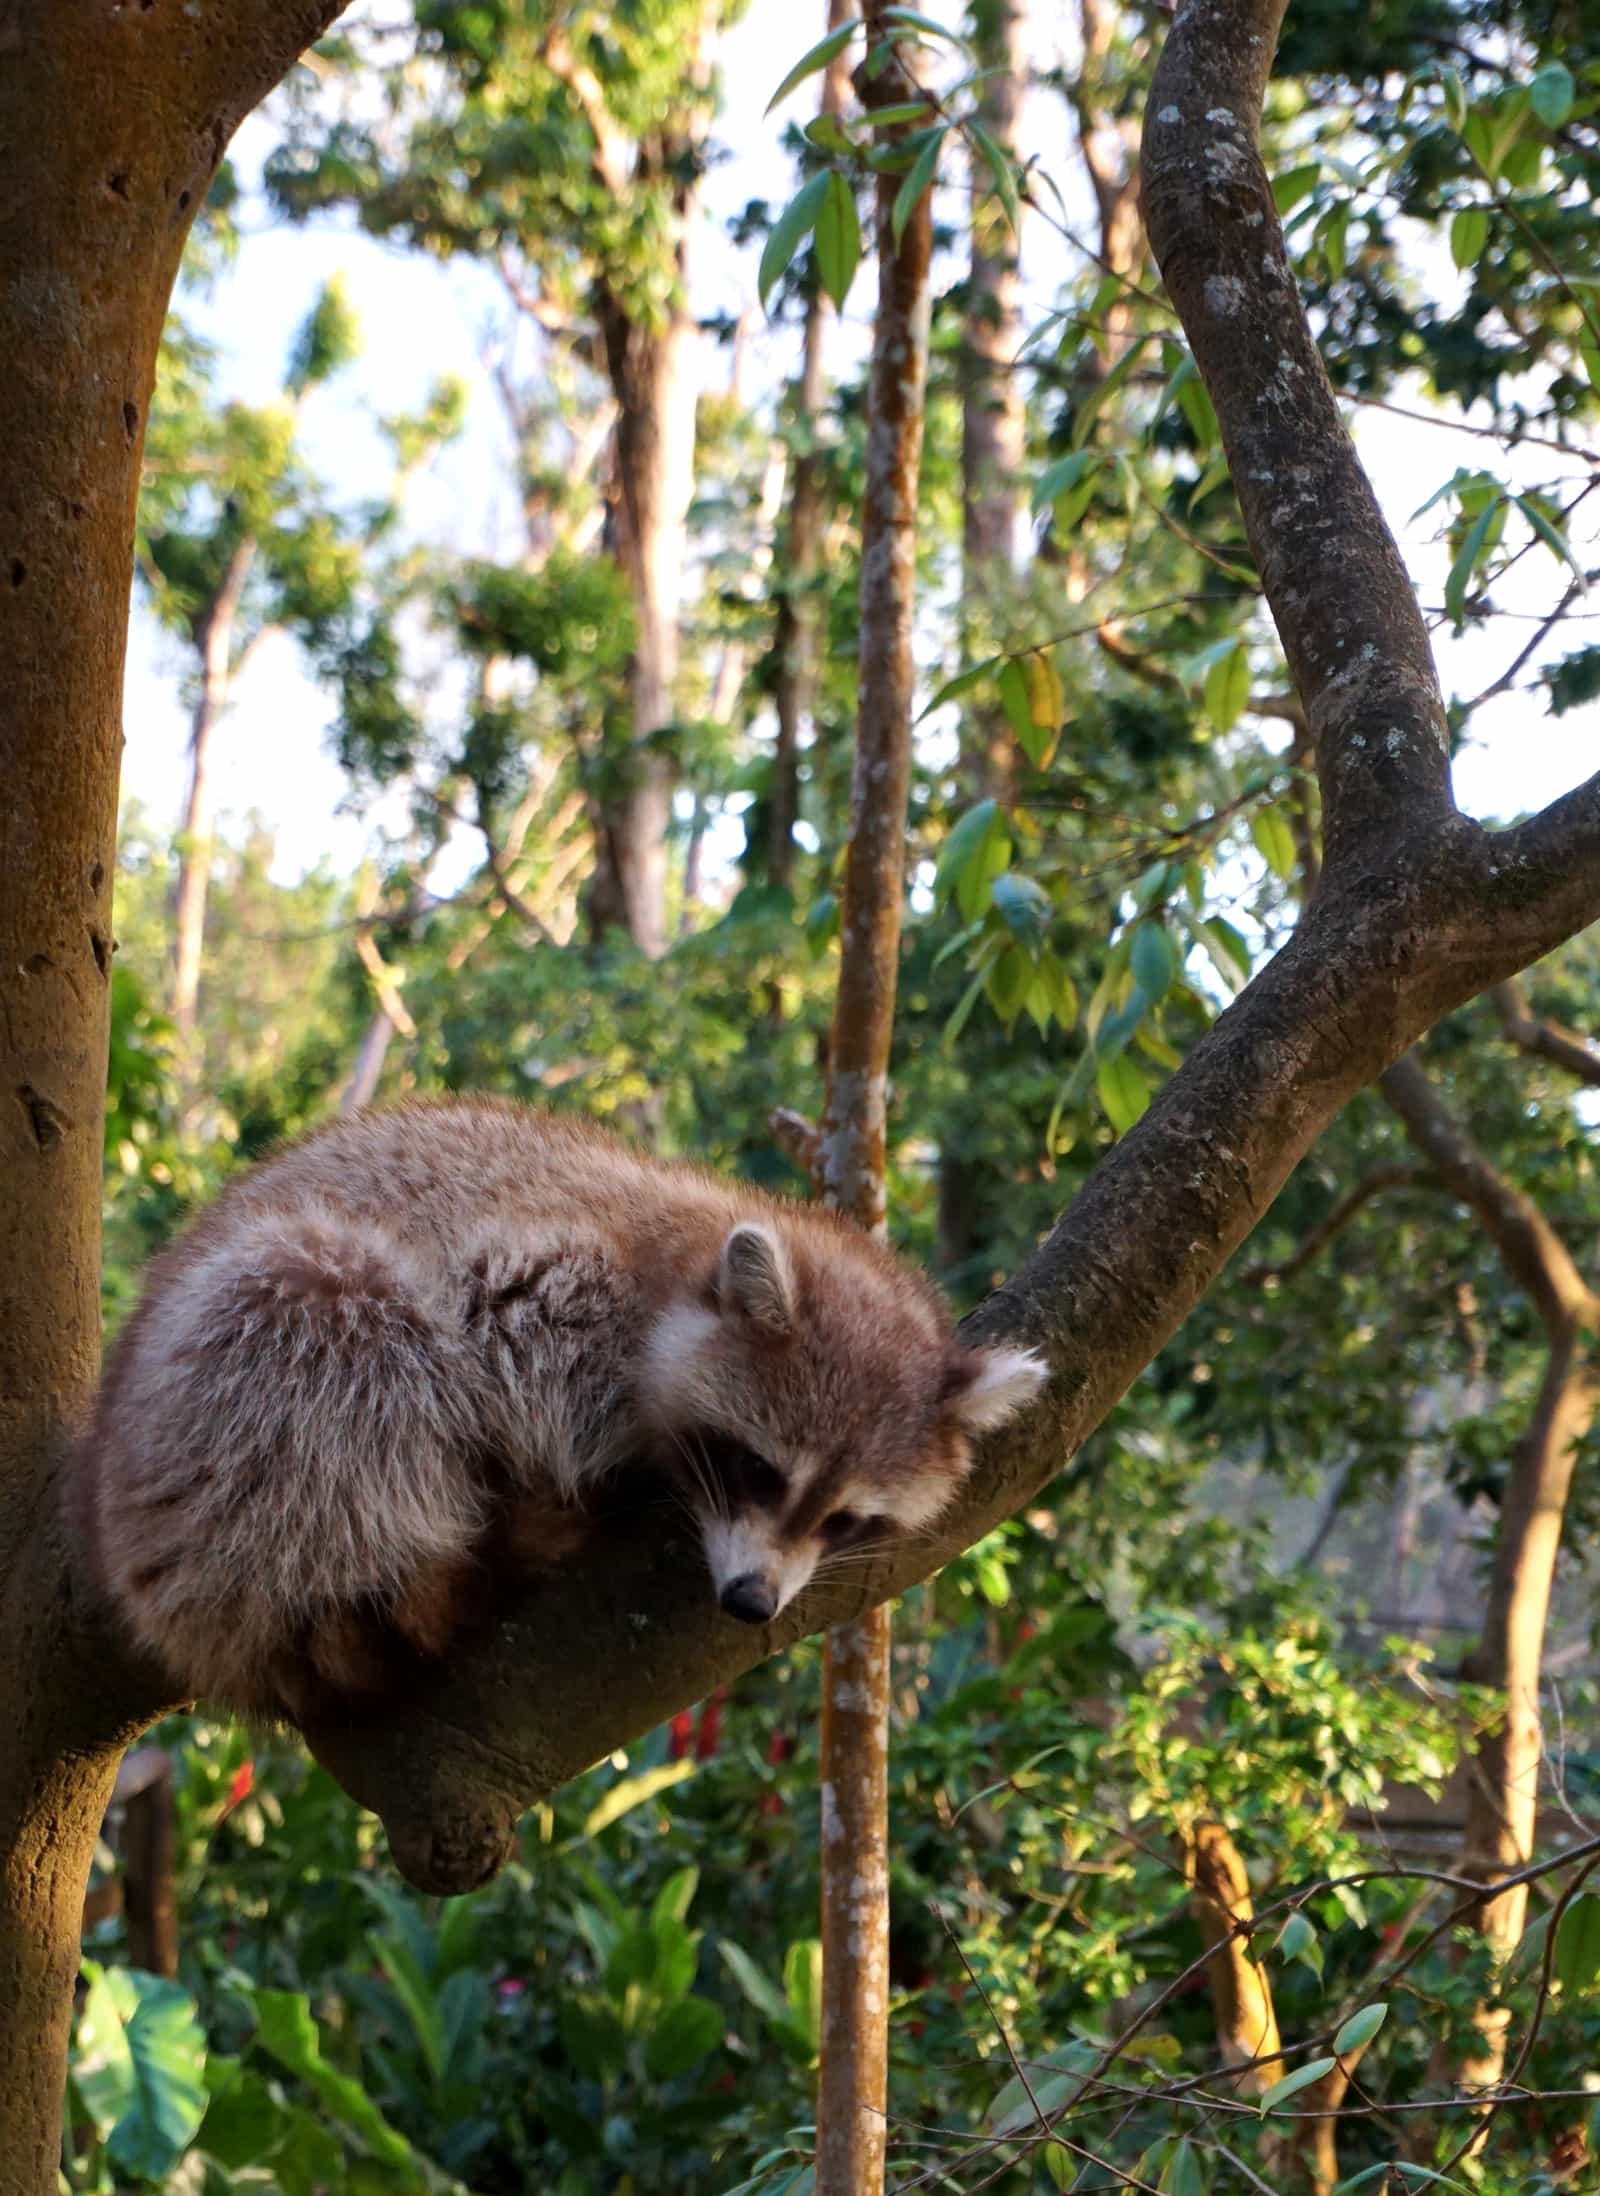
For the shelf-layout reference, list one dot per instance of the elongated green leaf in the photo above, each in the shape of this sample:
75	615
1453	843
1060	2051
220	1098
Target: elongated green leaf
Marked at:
1014	700
1297	1940
1297	183
1154	962
1023	907
962	683
633	1792
1552	536
763	1993
1577	1954
1466	562
1228	687
1123	1091
911	20
1291	2085
1000	167
1469	232
286	2030
916	183
1359	2030
1274	840
792	226
817	58
676	1896
838	240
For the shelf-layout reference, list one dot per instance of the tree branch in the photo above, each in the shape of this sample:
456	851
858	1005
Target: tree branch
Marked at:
1550	1040
1349	621
1532	1251
1339	1217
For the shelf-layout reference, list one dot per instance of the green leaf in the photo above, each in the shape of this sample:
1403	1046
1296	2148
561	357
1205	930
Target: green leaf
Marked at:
1577	1954
1183	2174
676	1896
1469	232
838	239
1297	183
888	118
1000	167
1359	2030
916	183
816	58
1123	1091
1228	687
141	2067
1290	2086
1552	536
285	2030
1335	231
1014	700
1046	706
1275	841
910	20
976	852
962	683
802	1986
763	1994
411	1987
1474	547
1063	474
633	1792
1552	93
682	2037
1226	946
1298	1940
1154	962
1061	2166
1008	981
1023	907
792	226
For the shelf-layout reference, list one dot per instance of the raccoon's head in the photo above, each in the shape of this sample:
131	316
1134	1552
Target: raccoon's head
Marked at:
811	1402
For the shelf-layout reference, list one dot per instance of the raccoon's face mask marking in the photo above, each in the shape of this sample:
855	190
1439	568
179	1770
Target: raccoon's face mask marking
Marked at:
812	1406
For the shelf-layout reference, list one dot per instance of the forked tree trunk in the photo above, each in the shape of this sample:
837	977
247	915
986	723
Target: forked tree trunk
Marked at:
113	121
213	639
799	614
853	2089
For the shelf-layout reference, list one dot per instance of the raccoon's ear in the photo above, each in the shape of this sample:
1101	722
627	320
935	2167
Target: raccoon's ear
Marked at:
983	1388
756	1278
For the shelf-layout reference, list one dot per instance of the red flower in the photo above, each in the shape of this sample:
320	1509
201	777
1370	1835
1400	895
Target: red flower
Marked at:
244	1778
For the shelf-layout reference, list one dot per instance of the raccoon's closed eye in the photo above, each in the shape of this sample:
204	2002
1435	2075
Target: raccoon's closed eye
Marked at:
845	1526
760	1481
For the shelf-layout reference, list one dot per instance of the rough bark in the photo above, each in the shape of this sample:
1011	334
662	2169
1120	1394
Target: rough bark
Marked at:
993	425
112	119
212	634
852	2092
1420	909
798	620
1241	1995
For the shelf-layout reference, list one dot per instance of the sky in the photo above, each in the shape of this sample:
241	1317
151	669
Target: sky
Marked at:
421	319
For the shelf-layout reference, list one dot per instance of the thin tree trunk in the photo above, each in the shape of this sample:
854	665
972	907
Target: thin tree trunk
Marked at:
853	2089
1241	1995
213	637
993	424
798	621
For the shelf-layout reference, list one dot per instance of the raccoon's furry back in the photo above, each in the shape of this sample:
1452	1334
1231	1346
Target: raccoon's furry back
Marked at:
298	1417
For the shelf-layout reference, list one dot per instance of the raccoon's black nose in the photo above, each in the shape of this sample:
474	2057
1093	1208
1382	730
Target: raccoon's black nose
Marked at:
752	1598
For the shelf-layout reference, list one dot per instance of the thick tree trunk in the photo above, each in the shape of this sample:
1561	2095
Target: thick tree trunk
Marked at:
798	621
113	122
652	376
993	423
853	2090
213	638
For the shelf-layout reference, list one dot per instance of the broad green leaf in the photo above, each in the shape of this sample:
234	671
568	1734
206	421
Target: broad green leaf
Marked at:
1297	183
1154	962
1061	2166
1183	2173
838	239
965	843
792	226
915	185
633	1792
1298	1940
816	58
1359	2030
1290	2086
1469	232
1335	232
1008	982
1274	840
1551	94
1228	687
1577	1955
1014	700
286	2030
1023	907
682	2037
1123	1091
141	2067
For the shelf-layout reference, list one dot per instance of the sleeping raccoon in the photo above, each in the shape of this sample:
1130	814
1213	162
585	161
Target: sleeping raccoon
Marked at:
411	1348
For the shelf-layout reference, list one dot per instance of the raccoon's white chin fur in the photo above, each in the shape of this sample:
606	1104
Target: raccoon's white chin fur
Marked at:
745	1548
